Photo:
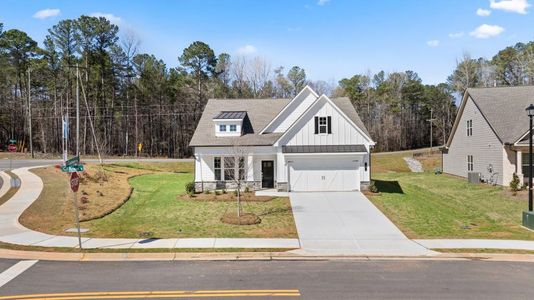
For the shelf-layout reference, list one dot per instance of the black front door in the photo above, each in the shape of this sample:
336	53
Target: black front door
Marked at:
267	174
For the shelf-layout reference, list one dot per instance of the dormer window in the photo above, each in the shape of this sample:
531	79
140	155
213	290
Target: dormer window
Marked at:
229	123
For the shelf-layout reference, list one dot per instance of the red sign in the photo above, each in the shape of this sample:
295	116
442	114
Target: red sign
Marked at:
74	182
12	148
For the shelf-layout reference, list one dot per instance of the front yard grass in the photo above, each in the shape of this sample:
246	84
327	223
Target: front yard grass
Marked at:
157	208
425	205
154	211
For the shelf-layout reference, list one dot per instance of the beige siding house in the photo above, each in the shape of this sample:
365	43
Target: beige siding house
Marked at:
489	135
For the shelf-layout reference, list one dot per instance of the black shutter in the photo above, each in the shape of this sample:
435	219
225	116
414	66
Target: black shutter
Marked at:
329	123
316	125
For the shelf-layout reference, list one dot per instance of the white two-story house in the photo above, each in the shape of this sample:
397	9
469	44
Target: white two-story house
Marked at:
308	143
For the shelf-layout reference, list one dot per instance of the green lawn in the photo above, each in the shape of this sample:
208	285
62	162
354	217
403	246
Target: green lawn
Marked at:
154	207
425	205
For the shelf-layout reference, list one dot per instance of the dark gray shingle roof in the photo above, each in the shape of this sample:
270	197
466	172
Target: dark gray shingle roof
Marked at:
324	149
259	113
504	109
230	115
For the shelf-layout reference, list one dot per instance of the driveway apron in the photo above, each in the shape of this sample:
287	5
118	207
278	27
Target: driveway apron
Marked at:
347	223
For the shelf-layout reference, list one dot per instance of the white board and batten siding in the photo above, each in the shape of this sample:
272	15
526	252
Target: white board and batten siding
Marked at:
336	171
483	145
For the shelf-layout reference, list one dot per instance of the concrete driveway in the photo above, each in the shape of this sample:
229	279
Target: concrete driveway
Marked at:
347	223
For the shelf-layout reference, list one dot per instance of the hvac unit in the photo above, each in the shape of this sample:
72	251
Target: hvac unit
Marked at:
473	177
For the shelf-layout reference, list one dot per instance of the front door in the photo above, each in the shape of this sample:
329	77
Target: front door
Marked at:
267	174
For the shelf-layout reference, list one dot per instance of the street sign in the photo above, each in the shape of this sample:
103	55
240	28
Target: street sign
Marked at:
73	161
74	182
12	148
72	169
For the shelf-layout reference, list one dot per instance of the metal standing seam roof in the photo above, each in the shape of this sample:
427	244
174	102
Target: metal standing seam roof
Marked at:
504	109
324	149
230	115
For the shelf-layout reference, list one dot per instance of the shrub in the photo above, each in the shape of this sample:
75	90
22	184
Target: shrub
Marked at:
224	191
190	188
247	189
207	192
515	184
217	193
372	187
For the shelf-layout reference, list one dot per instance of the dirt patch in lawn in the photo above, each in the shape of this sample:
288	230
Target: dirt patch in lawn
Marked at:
243	219
248	197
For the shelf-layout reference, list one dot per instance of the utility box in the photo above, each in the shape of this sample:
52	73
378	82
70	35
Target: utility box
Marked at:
473	177
528	219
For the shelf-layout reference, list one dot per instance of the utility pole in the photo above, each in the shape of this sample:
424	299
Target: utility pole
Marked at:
30	112
431	120
77	111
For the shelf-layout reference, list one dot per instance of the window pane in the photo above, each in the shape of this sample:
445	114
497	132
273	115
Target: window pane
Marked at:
222	127
233	128
322	121
322	129
217	162
241	168
217	174
229	168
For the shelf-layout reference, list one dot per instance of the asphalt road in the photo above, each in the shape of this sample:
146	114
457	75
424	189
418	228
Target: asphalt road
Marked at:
21	163
386	279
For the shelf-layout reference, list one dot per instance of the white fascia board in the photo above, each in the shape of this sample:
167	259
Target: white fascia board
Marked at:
227	120
306	88
323	96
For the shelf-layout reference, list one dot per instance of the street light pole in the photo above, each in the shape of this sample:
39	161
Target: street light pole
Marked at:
530	166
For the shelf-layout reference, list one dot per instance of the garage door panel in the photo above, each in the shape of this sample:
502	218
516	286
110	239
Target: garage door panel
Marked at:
324	174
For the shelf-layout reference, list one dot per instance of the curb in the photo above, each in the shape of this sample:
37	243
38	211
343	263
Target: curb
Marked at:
250	256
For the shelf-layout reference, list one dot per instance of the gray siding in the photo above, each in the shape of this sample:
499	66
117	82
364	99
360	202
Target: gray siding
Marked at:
483	145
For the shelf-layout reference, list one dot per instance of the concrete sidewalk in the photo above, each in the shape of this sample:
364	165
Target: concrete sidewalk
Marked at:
476	244
11	231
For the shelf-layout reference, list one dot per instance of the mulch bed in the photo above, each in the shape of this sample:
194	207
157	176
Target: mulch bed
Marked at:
230	196
244	219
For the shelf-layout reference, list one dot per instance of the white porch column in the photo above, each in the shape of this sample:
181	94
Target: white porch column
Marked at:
198	168
250	168
519	164
281	168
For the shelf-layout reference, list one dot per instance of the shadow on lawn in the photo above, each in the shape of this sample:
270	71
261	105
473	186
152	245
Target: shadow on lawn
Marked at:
389	187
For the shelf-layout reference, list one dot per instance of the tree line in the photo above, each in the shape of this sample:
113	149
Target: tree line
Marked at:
133	104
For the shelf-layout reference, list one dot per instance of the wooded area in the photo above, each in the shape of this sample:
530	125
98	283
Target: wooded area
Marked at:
133	98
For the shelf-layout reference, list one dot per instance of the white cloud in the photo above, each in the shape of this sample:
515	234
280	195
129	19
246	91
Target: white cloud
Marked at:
517	6
483	12
433	43
247	50
456	35
110	17
485	31
322	2
47	13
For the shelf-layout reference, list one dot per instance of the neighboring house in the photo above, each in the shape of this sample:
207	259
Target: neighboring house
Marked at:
490	134
308	143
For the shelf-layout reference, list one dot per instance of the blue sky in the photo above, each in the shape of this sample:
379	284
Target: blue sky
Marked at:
330	39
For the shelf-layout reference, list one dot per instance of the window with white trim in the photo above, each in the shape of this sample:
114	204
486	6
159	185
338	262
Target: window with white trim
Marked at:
229	168
233	128
469	127
222	128
470	163
217	168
